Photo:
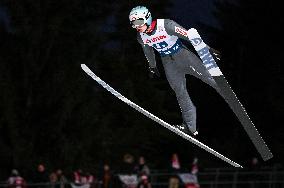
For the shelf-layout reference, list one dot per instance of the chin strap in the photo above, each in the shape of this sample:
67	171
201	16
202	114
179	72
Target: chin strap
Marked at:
151	27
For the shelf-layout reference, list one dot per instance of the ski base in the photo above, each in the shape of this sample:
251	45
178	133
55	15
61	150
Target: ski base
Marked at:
231	98
156	119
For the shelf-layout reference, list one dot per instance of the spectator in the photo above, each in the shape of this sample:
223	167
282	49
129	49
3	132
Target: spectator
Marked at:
174	169
53	180
194	166
106	177
254	167
254	164
41	177
128	166
82	178
90	179
15	180
194	171
143	172
78	177
127	174
62	181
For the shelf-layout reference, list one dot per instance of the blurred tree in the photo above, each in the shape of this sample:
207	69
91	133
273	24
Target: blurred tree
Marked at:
47	112
128	63
51	112
248	40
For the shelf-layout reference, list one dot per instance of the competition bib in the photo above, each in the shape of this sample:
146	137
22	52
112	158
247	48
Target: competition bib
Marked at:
164	43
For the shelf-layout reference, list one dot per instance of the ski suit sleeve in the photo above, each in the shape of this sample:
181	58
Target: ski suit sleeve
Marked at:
174	28
148	51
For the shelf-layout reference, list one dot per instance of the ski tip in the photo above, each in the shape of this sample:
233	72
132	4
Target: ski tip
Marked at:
83	66
234	164
268	155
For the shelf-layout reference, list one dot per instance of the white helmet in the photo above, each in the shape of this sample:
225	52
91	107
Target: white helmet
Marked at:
139	16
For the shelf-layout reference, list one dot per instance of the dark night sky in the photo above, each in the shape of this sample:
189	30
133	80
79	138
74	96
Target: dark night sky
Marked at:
196	11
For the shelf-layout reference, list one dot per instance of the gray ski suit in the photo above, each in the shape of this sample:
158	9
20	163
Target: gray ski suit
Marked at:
177	61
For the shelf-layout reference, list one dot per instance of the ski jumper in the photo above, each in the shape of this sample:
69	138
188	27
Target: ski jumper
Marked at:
177	61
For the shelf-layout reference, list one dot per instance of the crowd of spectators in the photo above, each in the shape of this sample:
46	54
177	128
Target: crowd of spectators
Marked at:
131	174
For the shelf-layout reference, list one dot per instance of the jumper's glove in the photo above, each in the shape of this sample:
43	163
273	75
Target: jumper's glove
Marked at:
153	71
216	54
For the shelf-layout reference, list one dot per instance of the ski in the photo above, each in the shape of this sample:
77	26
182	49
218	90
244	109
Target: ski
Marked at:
156	119
209	62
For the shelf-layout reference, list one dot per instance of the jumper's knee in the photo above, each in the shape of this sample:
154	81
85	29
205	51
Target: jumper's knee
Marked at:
180	92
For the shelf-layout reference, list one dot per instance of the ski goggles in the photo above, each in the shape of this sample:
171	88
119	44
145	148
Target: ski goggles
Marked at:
138	22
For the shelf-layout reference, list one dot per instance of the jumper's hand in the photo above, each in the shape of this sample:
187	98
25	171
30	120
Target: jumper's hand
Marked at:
216	54
153	71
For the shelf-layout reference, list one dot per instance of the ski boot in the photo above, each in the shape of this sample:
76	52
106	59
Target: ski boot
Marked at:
187	129
192	129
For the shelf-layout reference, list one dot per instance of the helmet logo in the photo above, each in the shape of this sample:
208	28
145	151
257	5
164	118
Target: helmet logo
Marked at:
148	15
